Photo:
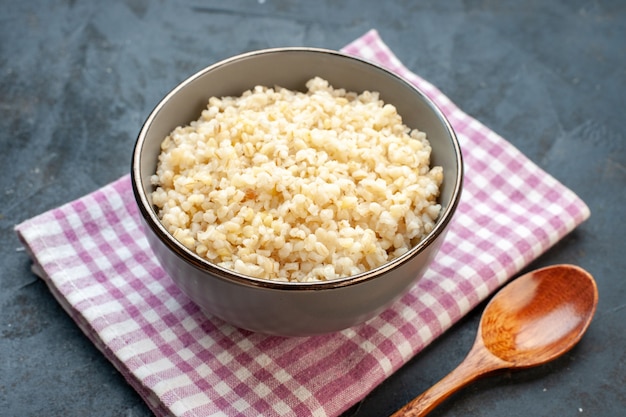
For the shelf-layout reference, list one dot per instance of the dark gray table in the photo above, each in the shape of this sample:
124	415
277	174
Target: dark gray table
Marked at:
77	78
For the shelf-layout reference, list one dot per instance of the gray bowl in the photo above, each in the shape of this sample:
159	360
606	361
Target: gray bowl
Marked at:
293	308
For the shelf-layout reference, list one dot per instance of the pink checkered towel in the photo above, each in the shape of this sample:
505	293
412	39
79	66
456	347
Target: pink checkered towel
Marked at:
94	256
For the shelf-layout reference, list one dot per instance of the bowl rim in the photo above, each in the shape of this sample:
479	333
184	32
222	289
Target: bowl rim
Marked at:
152	221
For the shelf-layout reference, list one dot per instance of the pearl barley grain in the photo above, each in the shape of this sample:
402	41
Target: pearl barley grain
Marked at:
297	186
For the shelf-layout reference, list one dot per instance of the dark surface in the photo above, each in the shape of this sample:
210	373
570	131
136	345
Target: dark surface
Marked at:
77	78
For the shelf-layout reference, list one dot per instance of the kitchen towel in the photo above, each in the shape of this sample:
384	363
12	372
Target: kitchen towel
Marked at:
94	256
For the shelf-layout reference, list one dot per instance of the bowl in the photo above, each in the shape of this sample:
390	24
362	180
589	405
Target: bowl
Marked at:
293	308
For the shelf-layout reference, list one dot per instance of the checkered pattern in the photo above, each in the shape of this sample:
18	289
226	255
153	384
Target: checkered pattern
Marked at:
97	263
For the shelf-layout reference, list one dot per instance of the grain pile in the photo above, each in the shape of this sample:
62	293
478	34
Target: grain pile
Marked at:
297	186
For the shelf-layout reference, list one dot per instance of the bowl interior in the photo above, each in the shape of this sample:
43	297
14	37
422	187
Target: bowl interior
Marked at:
292	68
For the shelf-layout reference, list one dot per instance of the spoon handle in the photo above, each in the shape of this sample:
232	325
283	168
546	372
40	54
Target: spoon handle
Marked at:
477	363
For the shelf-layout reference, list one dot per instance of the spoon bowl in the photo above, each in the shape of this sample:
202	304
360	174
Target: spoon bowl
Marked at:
539	316
533	320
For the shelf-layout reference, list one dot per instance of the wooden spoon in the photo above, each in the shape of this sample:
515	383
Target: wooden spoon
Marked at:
533	320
